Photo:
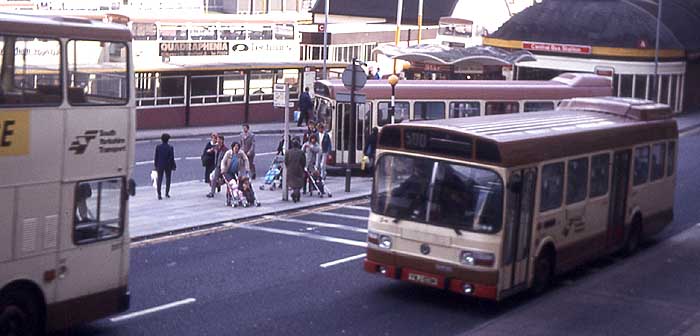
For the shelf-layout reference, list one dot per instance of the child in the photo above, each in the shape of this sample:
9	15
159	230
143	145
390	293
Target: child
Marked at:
246	192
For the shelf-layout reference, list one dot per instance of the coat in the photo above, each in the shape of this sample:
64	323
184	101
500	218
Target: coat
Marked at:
294	162
305	102
243	164
208	157
313	156
326	145
164	157
218	158
248	143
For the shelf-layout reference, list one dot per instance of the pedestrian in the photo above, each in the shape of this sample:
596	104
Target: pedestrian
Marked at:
305	106
310	130
377	75
326	147
208	157
235	162
371	146
248	146
312	151
164	163
370	75
219	153
294	161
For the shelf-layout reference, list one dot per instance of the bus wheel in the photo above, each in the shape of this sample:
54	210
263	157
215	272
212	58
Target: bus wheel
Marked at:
544	266
19	314
634	240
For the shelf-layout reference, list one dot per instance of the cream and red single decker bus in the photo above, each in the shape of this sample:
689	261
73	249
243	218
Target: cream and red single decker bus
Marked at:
67	123
491	206
418	100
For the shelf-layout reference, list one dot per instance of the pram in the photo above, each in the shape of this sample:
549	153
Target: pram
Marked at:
273	177
315	182
233	196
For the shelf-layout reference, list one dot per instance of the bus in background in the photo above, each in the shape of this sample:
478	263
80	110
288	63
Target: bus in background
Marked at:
489	207
428	100
66	156
459	33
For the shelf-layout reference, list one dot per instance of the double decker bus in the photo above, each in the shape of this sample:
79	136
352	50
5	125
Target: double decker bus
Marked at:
489	207
67	123
440	99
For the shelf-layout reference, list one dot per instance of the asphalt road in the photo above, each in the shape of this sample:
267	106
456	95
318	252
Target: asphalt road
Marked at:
302	275
188	152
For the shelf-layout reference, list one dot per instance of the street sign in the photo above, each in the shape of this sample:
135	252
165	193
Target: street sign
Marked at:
321	27
360	77
344	97
278	96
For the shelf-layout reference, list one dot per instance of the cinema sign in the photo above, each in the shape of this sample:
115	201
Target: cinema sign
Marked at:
193	49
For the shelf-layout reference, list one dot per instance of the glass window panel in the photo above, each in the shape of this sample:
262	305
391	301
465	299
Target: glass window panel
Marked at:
428	110
538	106
400	112
600	173
30	74
465	109
203	33
97	73
144	31
493	108
641	165
658	161
176	32
577	180
233	33
261	85
284	32
98	210
552	186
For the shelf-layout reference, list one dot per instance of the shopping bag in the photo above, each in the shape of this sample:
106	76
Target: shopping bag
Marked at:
154	178
363	163
297	114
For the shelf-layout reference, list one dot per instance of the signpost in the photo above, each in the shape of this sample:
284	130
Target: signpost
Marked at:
353	78
281	99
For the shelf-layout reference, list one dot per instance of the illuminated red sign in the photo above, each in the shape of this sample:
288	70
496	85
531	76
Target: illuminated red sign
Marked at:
557	48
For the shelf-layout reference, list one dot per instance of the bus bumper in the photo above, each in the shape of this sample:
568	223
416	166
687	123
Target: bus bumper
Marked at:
432	279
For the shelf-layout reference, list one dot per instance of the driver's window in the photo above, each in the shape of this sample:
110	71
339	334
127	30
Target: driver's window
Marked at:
99	210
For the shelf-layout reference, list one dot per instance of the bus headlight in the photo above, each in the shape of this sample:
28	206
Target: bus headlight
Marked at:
385	242
472	258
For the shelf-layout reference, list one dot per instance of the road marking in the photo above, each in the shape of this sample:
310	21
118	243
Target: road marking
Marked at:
333	214
152	310
315	223
193	158
266	153
690	131
366	208
340	261
304	234
141	163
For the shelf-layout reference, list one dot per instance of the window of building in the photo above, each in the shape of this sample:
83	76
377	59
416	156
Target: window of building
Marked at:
203	33
30	71
428	110
539	106
95	79
400	112
671	158
641	165
552	186
576	180
261	33
465	109
600	174
175	32
261	84
291	77
493	108
658	161
99	210
284	32
233	33
144	31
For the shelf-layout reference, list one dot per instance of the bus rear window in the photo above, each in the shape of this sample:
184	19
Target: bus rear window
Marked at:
30	71
97	73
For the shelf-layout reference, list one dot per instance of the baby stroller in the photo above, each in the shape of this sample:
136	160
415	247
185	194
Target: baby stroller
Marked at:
273	177
316	183
233	197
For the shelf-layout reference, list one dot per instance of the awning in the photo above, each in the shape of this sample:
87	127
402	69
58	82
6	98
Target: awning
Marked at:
439	54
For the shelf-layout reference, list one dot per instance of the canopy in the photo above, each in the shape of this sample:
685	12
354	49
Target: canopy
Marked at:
439	54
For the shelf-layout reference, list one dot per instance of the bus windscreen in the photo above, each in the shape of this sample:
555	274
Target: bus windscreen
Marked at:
438	193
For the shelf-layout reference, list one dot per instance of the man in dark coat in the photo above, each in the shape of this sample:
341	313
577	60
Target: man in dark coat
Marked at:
208	157
164	162
305	106
294	161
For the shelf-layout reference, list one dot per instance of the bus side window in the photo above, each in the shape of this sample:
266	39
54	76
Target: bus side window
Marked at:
493	108
538	106
577	180
658	160
552	187
400	112
30	77
464	109
600	173
98	210
641	165
428	110
89	86
671	158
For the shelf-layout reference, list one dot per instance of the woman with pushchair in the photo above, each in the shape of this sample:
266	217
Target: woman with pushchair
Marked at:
312	151
234	166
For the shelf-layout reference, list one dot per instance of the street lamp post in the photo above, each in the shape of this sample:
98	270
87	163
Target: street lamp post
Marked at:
656	52
393	80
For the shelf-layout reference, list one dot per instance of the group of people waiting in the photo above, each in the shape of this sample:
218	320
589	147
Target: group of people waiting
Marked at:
236	163
307	161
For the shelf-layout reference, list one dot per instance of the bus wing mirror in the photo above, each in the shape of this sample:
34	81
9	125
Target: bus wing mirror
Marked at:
131	188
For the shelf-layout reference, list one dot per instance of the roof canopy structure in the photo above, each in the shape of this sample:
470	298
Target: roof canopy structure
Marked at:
439	54
432	10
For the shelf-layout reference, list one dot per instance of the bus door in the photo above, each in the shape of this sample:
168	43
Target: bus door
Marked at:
618	198
363	125
516	248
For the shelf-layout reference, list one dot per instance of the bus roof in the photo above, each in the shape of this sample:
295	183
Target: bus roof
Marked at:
581	126
231	66
566	85
61	26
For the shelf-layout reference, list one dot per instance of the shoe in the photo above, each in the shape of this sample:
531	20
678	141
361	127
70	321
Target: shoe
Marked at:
167	195
253	177
159	197
218	189
210	195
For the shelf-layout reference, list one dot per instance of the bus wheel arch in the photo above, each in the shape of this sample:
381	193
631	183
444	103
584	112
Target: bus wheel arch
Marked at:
635	234
23	308
544	268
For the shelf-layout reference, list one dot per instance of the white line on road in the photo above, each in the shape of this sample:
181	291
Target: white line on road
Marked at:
193	158
366	208
304	234
266	153
152	310
333	214
141	163
321	224
340	261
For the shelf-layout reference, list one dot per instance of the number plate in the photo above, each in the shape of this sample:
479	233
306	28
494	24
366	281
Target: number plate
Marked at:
420	278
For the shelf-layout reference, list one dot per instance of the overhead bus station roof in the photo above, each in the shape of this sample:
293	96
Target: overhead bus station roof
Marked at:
440	54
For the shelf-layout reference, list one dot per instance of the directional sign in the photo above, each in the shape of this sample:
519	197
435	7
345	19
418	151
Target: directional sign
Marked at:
344	97
360	77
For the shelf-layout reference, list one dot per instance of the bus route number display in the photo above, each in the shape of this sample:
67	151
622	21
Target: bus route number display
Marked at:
436	142
415	140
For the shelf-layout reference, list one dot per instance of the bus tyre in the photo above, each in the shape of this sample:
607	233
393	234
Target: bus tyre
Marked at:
19	314
634	239
544	266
